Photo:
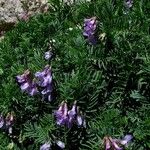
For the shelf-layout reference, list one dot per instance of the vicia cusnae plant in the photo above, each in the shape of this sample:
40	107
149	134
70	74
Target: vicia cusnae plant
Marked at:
42	80
77	78
116	144
26	83
89	31
69	117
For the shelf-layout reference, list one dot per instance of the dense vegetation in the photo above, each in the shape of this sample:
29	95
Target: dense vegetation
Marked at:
110	80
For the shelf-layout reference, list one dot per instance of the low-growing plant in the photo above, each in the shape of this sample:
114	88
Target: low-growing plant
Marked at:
100	92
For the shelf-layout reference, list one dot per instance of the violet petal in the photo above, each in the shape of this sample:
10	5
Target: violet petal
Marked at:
61	144
48	55
126	139
116	146
79	120
44	77
45	146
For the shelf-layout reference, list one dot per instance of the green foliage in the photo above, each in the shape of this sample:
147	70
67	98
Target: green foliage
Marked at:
110	81
40	131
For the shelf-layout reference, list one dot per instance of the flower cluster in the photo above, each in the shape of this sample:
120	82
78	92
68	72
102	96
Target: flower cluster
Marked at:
43	80
47	146
26	83
69	117
90	30
7	122
115	144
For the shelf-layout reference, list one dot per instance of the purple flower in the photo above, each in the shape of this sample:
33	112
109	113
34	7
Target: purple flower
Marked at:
25	86
45	146
44	77
25	77
72	114
107	143
126	139
58	113
116	143
47	89
61	114
68	118
111	144
80	119
90	30
45	81
60	144
32	89
1	121
26	83
89	26
48	55
116	146
47	93
128	3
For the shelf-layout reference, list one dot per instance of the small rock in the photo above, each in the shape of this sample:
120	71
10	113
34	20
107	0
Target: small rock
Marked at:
13	10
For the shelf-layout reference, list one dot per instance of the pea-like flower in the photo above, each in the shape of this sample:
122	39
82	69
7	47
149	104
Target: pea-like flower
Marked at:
48	55
60	144
69	117
24	80
44	77
80	119
61	114
45	81
128	3
45	146
32	90
26	83
72	115
89	31
126	139
116	144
